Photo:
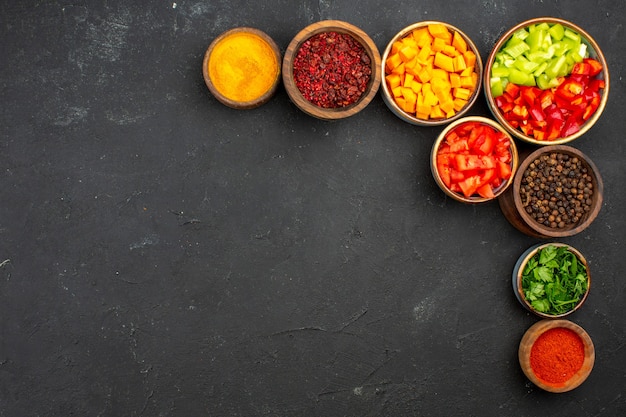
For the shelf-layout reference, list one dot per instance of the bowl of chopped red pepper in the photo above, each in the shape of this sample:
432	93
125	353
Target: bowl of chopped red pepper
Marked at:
546	81
556	355
432	73
551	280
473	160
557	192
331	70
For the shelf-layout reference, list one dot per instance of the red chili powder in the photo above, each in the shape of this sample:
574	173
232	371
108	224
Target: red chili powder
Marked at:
557	355
332	69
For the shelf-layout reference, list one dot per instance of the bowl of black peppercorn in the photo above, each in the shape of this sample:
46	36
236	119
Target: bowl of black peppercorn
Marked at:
556	192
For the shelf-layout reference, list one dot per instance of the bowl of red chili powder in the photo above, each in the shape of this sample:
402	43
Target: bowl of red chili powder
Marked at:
331	70
556	355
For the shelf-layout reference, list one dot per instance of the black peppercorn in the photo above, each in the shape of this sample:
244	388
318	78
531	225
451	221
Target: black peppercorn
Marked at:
558	190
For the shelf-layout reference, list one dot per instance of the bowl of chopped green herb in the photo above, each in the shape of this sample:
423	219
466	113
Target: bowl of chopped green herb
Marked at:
551	280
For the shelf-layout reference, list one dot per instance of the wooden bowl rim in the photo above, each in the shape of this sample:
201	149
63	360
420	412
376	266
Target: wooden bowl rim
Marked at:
242	105
525	257
536	330
597	201
588	39
441	138
338	26
478	67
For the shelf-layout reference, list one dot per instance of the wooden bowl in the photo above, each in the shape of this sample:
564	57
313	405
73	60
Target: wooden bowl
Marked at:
232	88
529	339
412	118
441	138
594	52
288	71
514	206
518	272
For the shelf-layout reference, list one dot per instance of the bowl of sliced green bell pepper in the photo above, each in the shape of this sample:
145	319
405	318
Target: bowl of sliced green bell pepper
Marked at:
546	81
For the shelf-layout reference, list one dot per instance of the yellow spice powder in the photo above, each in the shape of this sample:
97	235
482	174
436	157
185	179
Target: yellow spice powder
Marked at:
242	66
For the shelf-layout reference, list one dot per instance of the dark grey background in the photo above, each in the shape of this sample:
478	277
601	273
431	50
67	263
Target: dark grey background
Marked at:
164	255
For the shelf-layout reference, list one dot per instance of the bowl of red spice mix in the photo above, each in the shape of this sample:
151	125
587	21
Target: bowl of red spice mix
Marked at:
331	70
432	73
551	280
546	81
473	160
556	355
241	68
557	192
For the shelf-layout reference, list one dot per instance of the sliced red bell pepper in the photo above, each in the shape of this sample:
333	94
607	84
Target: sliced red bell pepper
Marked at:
580	78
554	129
581	68
597	84
529	95
569	89
519	112
526	127
592	107
558	111
546	98
539	134
572	125
512	89
594	65
536	112
538	124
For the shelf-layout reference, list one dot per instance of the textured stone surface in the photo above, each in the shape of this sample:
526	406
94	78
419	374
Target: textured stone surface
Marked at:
164	255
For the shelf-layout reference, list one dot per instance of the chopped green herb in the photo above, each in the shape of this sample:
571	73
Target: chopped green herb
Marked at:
554	280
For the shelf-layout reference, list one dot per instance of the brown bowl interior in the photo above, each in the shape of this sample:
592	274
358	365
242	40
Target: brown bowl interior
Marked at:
264	98
433	160
594	52
514	208
478	68
531	336
331	26
520	272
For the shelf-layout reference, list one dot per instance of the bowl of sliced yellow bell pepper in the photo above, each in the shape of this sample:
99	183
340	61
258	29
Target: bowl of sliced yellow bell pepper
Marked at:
432	73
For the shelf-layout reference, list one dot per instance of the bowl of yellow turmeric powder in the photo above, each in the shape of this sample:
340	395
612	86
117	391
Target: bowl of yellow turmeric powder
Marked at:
241	68
331	70
432	73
